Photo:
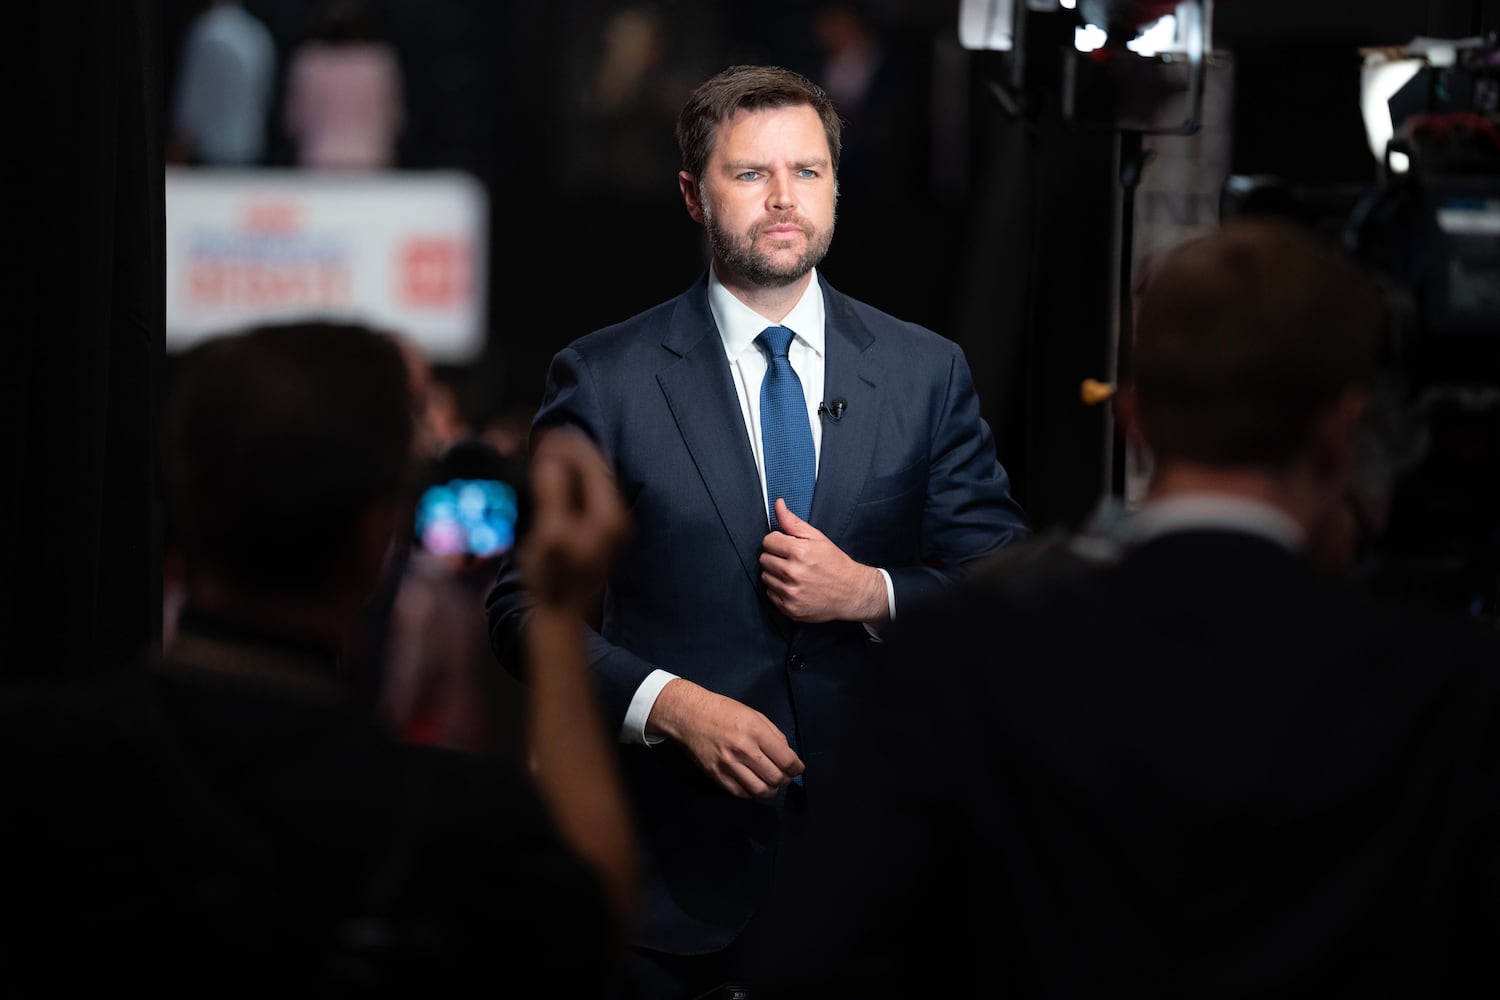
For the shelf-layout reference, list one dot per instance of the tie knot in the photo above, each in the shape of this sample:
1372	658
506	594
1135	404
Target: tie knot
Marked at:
777	340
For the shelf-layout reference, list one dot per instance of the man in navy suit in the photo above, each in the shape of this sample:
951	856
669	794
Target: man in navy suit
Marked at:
735	630
1198	763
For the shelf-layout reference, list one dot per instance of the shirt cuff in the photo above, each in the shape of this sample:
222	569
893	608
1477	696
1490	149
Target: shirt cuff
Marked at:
890	605
634	729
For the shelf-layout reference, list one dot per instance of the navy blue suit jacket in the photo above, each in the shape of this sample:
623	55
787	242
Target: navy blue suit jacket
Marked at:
908	481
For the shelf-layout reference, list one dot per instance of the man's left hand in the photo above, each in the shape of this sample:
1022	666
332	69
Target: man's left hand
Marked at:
810	579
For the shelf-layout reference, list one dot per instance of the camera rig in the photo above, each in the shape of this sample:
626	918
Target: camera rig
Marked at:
1428	228
1431	229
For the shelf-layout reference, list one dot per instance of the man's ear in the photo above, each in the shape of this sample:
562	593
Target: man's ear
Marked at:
688	185
1336	438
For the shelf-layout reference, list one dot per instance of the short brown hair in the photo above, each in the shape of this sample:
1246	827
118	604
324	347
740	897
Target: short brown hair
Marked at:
277	439
1243	336
750	88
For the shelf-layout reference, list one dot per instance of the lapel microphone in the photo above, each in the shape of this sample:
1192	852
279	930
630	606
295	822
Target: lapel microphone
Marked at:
834	408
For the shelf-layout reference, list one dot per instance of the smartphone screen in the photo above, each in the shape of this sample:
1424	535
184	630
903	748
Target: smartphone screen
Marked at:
467	516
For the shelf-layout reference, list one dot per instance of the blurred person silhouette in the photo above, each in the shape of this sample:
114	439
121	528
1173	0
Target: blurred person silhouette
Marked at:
508	428
1189	763
452	409
270	833
287	447
438	425
423	655
345	102
630	103
788	502
440	685
643	61
877	93
430	437
222	95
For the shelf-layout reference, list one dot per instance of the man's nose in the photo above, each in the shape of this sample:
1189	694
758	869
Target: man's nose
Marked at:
781	196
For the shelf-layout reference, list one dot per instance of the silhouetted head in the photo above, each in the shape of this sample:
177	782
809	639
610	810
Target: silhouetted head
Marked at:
280	443
1245	337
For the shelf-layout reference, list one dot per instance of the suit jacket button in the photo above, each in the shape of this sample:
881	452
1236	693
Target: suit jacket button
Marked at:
794	661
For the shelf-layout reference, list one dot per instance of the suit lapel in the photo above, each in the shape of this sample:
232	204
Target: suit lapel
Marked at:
704	404
850	373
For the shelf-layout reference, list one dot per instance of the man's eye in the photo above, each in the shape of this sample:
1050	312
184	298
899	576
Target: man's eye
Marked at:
748	175
807	173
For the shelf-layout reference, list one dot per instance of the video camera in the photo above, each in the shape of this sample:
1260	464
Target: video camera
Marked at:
1431	227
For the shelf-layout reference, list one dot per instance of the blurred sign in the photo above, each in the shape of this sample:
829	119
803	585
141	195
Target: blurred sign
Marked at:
400	252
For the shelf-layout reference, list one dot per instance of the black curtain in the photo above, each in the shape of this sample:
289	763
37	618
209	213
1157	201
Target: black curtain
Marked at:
84	359
1033	308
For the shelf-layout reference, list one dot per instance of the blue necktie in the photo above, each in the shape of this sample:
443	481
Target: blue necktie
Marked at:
791	466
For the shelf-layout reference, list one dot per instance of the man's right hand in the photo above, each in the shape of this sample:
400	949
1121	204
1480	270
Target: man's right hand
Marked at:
735	745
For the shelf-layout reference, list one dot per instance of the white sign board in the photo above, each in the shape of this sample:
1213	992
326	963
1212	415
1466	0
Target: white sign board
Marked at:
403	252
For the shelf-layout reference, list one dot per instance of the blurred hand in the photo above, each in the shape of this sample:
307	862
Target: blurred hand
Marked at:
579	521
734	744
810	579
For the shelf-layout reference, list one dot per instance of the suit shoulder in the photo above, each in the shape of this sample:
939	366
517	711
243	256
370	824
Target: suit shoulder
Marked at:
910	335
644	329
625	335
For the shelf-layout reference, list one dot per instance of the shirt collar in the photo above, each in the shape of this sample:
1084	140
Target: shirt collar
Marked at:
739	325
1216	512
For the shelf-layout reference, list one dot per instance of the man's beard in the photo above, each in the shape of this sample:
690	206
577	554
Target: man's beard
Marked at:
743	257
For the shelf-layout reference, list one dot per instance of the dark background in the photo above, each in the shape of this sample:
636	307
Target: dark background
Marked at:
991	231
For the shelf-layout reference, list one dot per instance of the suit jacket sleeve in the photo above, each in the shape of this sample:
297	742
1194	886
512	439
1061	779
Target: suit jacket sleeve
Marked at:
568	402
969	511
